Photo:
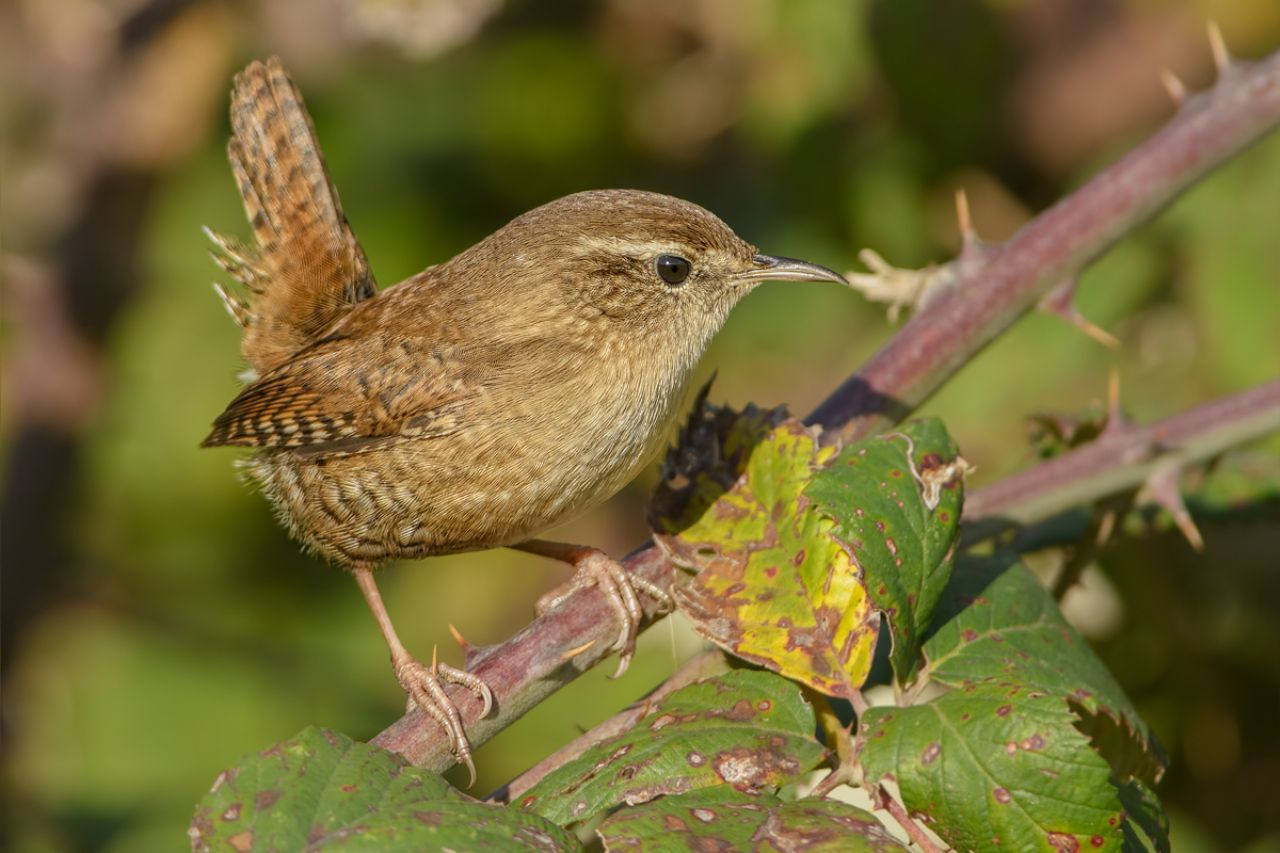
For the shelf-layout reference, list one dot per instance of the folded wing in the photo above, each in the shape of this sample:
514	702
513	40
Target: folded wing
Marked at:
344	395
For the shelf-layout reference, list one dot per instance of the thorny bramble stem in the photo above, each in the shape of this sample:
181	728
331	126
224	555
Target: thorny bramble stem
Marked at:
993	285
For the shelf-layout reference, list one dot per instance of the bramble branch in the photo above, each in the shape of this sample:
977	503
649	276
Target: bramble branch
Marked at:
703	665
1122	459
993	284
987	289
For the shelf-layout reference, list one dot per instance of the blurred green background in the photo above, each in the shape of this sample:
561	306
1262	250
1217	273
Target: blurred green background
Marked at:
157	624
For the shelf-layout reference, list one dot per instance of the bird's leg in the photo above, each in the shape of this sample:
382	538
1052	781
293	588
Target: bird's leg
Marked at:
596	568
425	684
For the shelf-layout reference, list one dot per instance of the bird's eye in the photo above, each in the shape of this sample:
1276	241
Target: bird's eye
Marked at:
672	269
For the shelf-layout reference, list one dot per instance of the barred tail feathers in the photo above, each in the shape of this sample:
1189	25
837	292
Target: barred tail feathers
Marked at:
305	268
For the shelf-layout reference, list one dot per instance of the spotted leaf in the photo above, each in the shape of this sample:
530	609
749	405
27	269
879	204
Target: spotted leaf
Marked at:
749	730
322	790
896	502
1146	827
774	587
996	766
1010	627
721	819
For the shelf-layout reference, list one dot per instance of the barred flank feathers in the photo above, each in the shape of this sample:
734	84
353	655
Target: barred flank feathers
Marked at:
279	414
306	268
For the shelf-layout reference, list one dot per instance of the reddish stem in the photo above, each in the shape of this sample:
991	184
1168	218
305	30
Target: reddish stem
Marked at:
1123	458
913	829
992	287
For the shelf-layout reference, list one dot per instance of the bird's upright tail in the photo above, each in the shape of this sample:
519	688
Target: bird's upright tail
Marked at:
305	268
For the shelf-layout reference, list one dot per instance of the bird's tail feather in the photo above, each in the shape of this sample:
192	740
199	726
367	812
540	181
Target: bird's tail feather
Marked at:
305	268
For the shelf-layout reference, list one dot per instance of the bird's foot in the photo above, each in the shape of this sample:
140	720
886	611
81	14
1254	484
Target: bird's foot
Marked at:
425	687
596	568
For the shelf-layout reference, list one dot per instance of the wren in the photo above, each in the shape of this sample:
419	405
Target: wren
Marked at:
479	402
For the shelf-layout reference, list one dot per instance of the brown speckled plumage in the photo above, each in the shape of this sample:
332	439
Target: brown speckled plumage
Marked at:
486	398
491	396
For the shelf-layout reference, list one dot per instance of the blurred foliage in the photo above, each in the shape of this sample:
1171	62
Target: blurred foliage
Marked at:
157	622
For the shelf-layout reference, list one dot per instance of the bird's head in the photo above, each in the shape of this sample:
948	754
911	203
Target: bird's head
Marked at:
629	262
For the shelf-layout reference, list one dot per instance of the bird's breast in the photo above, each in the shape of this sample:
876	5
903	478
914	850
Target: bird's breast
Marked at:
532	449
589	433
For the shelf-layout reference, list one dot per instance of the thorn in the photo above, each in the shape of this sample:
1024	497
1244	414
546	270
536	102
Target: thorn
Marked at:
459	639
1106	526
964	219
1113	395
1162	489
1116	420
1060	301
1221	56
435	663
1094	331
574	652
1176	88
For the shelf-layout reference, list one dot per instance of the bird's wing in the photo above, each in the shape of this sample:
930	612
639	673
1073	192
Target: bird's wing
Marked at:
344	394
306	269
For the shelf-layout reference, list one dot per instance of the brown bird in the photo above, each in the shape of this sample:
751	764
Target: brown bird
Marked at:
479	402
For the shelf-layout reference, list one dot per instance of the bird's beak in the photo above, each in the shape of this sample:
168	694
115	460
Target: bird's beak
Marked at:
769	268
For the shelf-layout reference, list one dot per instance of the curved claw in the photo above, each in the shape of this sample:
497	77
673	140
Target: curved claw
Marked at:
622	586
425	686
472	682
624	660
595	568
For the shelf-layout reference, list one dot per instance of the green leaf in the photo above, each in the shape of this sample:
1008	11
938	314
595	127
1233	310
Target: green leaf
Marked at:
996	765
1012	629
901	531
323	791
1146	827
722	819
774	587
749	729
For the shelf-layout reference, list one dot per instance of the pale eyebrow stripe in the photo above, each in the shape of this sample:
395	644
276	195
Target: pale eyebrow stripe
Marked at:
632	248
